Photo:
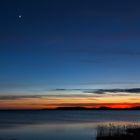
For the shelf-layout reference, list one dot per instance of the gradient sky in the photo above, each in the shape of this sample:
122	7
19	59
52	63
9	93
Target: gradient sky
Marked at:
59	52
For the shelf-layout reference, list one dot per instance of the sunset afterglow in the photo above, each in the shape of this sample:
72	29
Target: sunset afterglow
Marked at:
89	100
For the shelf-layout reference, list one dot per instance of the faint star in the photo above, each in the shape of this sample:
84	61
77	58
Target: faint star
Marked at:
20	16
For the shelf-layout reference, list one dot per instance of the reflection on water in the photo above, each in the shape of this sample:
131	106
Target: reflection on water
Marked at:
60	125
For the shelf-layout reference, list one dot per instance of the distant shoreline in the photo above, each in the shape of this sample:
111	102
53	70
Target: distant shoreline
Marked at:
74	108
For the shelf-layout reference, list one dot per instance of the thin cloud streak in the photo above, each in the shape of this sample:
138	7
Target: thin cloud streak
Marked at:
101	91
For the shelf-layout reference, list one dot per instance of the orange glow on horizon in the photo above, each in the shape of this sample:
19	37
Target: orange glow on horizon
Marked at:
118	105
71	101
110	105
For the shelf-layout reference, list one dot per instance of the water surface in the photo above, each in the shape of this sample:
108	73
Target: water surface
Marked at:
60	125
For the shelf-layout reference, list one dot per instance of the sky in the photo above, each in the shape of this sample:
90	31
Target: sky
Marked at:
69	53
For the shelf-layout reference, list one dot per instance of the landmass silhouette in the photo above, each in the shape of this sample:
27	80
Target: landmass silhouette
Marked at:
75	108
85	108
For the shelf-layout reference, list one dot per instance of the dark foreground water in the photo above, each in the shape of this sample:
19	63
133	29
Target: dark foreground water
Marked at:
60	125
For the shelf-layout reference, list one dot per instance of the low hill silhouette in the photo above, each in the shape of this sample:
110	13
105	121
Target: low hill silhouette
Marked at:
75	108
100	108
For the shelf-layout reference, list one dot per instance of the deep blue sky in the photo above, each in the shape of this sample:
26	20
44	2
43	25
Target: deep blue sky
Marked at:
68	44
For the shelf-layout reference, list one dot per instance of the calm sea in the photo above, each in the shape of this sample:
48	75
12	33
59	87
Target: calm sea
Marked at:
60	125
